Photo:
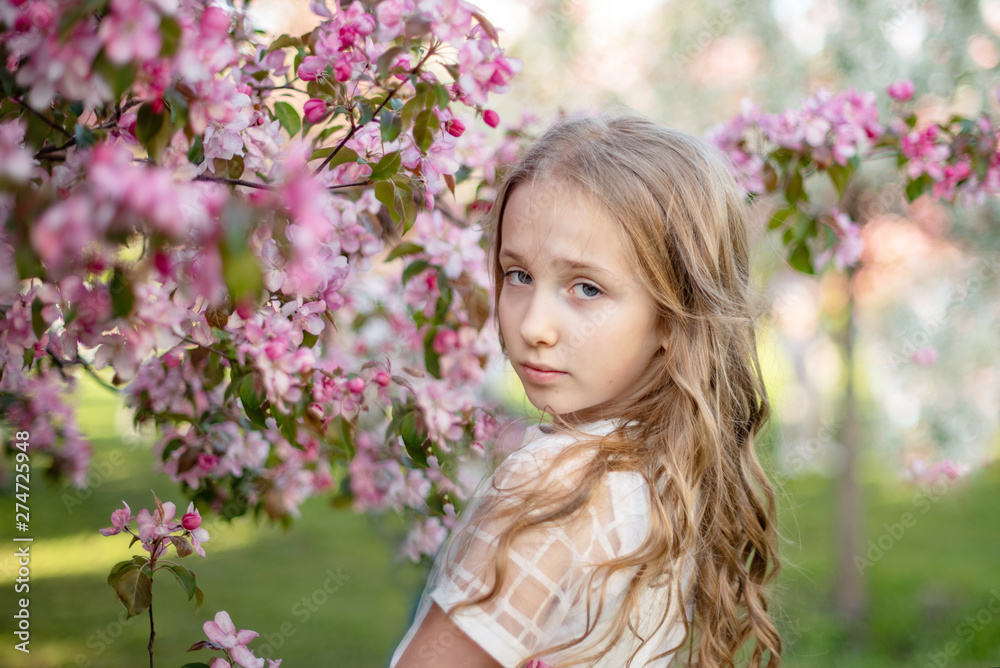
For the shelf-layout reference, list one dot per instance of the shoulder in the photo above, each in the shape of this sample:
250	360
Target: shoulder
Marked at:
550	457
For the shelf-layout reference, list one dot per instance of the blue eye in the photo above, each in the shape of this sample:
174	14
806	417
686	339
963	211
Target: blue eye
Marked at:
586	290
517	277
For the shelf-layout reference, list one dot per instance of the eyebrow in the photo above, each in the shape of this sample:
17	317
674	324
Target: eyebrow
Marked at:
560	262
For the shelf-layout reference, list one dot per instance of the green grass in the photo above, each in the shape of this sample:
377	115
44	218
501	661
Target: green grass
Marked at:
939	572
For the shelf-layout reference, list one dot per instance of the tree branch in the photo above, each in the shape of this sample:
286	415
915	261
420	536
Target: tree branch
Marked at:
355	127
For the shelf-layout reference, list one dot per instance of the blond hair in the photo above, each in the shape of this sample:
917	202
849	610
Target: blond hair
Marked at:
684	223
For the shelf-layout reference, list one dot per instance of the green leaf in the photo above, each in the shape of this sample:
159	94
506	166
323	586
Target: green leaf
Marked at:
385	192
391	124
406	248
344	155
170	30
388	59
38	325
387	166
252	402
432	361
185	577
122	297
37	132
288	117
424	128
286	425
118	77
916	187
367	113
178	105
840	175
282	41
410	110
801	259
240	267
196	154
152	130
414	268
779	217
199	598
442	97
445	298
118	570
413	440
794	189
135	591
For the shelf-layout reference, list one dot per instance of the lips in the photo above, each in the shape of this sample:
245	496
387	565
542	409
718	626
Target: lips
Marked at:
541	374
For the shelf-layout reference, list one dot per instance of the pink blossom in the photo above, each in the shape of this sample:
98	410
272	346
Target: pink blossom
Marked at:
943	471
156	525
207	461
425	538
131	31
342	69
311	67
119	519
926	356
901	90
484	69
451	20
390	15
223	633
438	160
491	118
314	110
16	163
846	251
924	152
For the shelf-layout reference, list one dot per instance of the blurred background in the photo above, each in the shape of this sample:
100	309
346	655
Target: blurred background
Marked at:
875	375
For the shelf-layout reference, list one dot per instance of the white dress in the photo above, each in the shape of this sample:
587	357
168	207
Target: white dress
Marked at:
543	601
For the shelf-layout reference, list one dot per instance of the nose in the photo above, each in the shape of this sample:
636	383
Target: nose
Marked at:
539	326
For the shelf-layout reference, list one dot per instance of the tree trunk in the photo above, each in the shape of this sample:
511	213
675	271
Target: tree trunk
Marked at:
850	596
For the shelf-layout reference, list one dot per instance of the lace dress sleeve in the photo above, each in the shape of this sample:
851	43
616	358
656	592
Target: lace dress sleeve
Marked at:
550	567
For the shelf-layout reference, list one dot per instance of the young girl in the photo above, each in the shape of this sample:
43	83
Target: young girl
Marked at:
638	526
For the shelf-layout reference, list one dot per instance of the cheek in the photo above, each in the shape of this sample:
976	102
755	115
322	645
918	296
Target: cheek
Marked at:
505	316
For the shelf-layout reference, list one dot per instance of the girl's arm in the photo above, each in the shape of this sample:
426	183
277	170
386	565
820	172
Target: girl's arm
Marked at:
438	642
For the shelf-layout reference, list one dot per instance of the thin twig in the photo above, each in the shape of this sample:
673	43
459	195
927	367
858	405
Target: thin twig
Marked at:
350	185
152	634
51	124
234	182
214	350
354	126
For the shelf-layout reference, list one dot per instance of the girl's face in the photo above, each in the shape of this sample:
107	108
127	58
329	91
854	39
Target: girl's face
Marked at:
577	322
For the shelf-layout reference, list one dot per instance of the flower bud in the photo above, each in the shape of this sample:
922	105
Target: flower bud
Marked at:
901	90
491	118
191	521
454	127
356	385
314	110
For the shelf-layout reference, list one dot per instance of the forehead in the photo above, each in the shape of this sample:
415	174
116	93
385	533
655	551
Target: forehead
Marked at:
548	220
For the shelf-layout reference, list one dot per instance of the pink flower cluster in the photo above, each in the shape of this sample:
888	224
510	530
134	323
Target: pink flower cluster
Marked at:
331	342
222	635
925	473
156	529
846	252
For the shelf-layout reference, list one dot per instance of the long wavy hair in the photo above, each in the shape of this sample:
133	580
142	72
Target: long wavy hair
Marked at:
684	223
